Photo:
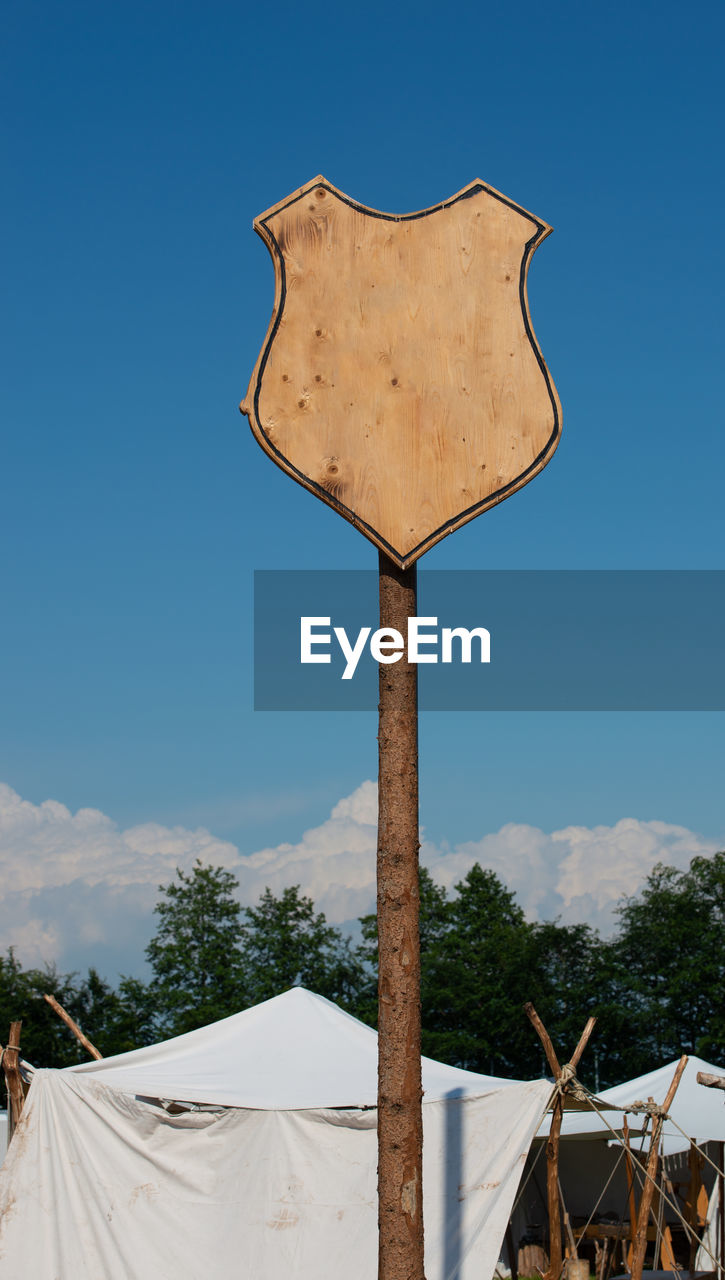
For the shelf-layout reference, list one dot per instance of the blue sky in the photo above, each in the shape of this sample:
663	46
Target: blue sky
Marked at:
135	504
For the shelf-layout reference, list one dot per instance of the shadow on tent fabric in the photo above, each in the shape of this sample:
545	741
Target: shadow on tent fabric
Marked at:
452	1184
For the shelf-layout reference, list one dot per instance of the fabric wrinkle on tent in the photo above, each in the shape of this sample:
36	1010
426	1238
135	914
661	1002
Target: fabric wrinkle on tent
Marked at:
271	1175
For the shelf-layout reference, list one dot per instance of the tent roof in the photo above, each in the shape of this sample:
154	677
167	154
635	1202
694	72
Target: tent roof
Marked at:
294	1052
697	1110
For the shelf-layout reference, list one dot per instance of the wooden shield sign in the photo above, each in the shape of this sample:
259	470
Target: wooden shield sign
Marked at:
400	379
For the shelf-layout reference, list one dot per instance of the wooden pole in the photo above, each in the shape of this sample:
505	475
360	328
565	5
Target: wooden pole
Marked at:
693	1196
552	1191
545	1039
667	1259
573	1252
13	1080
640	1239
630	1192
556	1260
89	1048
721	1208
400	1122
583	1042
710	1081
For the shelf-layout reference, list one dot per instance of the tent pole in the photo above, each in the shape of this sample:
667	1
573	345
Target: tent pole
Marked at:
13	1081
556	1260
640	1239
630	1192
721	1208
66	1018
400	1122
693	1195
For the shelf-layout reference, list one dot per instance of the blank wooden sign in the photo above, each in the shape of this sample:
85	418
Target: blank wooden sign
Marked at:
400	379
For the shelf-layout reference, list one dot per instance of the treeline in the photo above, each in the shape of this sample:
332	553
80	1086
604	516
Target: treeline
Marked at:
657	986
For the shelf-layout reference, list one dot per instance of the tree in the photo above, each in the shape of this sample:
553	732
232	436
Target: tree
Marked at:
669	963
478	976
478	967
285	943
572	979
114	1020
198	975
45	1041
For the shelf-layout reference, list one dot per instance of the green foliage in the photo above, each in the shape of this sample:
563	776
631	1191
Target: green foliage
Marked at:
286	943
573	980
668	965
45	1041
113	1020
657	987
198	975
211	957
476	977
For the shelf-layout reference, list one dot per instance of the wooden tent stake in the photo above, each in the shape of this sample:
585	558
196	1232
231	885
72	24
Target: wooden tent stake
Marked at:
400	1120
640	1240
13	1079
556	1261
89	1048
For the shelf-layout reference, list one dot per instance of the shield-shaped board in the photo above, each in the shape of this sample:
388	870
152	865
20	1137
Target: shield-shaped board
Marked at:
400	379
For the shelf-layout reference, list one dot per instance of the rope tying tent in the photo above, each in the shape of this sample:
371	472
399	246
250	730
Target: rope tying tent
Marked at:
638	1107
567	1073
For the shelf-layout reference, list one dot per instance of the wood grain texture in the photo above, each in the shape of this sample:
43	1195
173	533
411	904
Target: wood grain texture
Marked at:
400	1091
13	1079
400	379
639	1246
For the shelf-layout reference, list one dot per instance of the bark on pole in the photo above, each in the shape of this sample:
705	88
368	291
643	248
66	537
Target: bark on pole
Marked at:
13	1080
639	1247
553	1186
73	1026
721	1207
400	1124
630	1191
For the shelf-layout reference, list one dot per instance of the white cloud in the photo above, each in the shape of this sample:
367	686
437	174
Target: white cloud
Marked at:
76	889
578	873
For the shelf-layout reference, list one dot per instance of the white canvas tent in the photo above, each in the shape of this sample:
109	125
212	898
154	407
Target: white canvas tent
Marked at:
590	1163
698	1111
272	1173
